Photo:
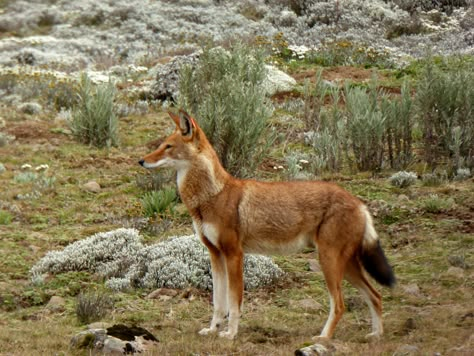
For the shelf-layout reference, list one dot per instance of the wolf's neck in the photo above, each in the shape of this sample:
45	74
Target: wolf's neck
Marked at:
201	180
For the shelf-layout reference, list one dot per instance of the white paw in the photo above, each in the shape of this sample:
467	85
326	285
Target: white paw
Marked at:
207	331
227	334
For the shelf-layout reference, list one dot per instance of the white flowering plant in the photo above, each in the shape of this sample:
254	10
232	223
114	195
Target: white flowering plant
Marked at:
124	262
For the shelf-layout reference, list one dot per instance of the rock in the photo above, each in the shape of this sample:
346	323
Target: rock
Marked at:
162	292
92	186
2	123
56	304
277	81
92	338
314	265
315	350
406	350
412	289
114	346
455	272
167	77
115	340
30	108
2	168
403	198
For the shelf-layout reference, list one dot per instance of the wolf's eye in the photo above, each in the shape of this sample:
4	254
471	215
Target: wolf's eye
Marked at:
168	146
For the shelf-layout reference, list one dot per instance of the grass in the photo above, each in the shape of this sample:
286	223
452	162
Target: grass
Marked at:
419	244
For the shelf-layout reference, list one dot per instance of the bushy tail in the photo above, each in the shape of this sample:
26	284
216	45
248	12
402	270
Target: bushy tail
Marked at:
372	256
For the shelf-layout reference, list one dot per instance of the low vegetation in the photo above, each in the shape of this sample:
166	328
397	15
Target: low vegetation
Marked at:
93	118
226	93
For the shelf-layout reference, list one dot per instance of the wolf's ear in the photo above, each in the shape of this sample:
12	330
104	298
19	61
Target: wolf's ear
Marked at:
174	117
186	124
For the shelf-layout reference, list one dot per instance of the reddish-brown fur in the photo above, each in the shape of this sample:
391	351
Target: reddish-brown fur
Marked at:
234	216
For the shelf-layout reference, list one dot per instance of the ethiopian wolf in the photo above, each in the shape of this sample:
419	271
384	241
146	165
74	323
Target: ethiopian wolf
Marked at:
234	216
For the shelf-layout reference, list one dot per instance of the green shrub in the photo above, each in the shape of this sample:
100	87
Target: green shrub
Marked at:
445	111
434	179
226	94
159	203
93	306
435	204
326	125
93	119
365	126
399	115
25	177
5	217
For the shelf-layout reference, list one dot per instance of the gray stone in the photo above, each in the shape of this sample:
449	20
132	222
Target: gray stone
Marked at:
2	168
92	338
162	292
114	346
314	350
56	304
314	265
167	77
455	272
277	81
412	289
92	186
406	350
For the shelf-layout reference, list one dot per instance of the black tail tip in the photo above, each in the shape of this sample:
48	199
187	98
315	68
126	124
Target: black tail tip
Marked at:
376	264
141	162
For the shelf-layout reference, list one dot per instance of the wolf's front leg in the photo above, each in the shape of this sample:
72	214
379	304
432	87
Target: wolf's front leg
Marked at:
235	290
219	292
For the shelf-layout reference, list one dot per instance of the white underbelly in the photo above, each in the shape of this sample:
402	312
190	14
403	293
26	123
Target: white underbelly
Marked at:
278	246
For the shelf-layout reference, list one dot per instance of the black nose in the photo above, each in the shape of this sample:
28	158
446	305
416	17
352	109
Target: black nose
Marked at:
142	162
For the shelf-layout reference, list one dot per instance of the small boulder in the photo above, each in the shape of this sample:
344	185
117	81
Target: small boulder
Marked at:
162	292
92	186
456	272
412	289
316	350
56	304
406	350
277	81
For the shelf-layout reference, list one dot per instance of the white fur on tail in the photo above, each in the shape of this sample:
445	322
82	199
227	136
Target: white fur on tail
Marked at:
370	235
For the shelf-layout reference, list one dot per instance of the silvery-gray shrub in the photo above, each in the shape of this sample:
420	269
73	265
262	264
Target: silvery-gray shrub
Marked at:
444	103
403	179
366	125
225	92
124	262
462	174
93	117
